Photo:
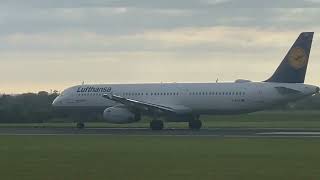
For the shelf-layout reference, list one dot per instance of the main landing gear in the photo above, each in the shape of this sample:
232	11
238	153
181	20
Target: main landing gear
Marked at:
80	125
156	124
195	123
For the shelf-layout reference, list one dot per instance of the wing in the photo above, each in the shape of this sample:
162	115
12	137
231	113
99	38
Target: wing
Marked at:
148	107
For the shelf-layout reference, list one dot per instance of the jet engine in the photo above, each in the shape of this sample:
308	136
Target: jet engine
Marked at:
120	115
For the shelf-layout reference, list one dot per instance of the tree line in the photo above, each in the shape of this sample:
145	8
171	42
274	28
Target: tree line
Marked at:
37	108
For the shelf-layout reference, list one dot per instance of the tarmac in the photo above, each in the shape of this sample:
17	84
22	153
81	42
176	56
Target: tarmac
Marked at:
205	132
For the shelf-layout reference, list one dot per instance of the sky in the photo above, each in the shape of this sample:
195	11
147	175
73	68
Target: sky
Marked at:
53	44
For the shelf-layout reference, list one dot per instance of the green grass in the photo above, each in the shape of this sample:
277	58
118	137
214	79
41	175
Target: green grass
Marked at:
84	157
138	158
271	119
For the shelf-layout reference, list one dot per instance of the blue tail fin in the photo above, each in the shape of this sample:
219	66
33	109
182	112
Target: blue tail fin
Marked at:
294	65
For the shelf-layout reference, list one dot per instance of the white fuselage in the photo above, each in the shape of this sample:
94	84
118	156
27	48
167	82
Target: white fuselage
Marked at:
199	98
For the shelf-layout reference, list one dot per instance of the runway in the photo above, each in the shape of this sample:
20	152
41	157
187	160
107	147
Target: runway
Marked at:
206	132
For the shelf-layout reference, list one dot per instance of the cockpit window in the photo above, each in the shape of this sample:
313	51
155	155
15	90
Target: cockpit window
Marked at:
63	92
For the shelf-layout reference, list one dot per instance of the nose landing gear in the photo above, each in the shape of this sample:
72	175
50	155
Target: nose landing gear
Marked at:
80	125
156	124
195	123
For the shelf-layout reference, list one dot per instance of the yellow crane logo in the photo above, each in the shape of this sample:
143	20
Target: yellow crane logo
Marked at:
297	58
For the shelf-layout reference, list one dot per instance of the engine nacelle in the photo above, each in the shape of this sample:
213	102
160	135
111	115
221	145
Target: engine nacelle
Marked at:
120	115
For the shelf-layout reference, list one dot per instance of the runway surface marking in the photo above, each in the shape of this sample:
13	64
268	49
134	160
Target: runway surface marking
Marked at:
174	132
289	133
173	135
137	135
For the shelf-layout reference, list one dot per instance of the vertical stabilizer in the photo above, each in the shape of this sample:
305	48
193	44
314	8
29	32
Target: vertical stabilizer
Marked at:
294	65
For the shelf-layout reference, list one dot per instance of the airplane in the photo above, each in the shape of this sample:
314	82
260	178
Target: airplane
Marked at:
185	102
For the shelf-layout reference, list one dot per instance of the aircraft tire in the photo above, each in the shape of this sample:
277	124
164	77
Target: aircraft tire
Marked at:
80	125
156	125
195	124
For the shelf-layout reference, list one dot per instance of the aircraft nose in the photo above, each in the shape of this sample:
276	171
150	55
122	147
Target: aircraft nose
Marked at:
56	102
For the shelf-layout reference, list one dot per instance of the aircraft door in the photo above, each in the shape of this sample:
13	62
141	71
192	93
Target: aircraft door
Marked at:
259	95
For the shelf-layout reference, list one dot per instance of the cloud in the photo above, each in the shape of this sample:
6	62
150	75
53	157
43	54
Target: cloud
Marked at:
221	38
124	20
105	3
208	37
163	4
269	4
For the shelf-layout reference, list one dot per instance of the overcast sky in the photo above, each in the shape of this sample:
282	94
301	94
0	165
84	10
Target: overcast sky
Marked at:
53	44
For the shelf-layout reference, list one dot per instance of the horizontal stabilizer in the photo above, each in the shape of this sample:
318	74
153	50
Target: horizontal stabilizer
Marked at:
287	91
